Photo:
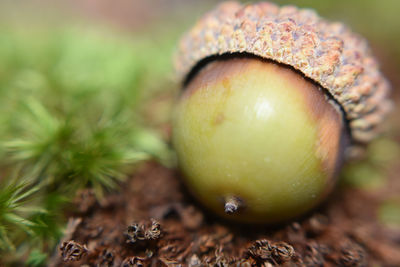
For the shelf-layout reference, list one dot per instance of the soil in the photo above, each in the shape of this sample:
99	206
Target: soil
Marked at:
154	222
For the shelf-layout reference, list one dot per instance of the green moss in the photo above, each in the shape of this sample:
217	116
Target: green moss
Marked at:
389	212
370	173
70	117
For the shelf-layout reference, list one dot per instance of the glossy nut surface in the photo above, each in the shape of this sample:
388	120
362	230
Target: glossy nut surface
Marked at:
260	133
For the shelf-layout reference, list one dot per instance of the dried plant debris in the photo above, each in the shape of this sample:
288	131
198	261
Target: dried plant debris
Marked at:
142	231
352	255
182	234
72	251
106	258
313	255
133	262
260	251
263	251
282	252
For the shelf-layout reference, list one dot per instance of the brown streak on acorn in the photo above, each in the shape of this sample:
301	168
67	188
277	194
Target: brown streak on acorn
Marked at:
219	119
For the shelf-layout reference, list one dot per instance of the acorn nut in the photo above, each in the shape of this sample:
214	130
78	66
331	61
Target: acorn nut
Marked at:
274	99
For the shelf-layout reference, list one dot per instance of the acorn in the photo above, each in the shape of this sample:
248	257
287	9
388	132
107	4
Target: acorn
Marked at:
274	100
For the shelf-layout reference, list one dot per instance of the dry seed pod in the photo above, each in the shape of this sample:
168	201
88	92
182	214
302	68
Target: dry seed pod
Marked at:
273	98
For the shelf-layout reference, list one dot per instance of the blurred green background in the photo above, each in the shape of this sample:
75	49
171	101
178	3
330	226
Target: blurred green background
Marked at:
86	89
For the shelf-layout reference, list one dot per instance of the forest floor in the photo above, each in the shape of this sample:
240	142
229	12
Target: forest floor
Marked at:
153	222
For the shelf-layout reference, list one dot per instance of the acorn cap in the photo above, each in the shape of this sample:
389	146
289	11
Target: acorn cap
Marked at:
328	53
